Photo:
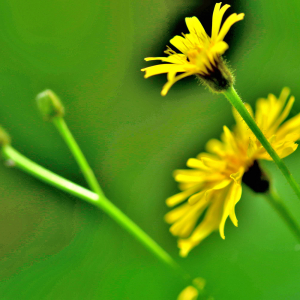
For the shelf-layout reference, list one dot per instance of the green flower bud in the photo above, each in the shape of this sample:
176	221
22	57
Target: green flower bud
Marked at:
49	105
4	137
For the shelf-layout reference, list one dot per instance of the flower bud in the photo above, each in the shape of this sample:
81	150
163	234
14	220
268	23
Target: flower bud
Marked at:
4	137
49	105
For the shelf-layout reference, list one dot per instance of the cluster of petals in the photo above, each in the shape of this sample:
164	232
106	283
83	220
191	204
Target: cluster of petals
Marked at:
212	187
199	52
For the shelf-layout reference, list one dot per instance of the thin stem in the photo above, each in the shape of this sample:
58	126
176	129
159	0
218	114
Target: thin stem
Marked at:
67	136
236	101
275	201
100	201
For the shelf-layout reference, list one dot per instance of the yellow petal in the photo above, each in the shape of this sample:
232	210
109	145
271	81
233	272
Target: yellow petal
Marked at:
184	226
215	146
175	59
262	113
217	19
272	139
177	213
238	175
180	43
294	136
196	163
209	224
232	198
206	155
227	24
284	114
252	148
195	27
171	75
169	84
164	68
202	177
238	178
189	172
185	246
178	198
213	163
288	150
221	185
188	178
185	185
229	139
284	94
197	197
233	217
219	48
290	126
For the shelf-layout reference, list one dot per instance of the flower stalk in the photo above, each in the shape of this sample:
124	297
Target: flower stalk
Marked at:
238	104
87	171
52	109
99	201
274	200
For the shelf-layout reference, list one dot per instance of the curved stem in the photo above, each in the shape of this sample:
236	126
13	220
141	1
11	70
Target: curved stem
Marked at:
236	101
275	201
87	171
98	200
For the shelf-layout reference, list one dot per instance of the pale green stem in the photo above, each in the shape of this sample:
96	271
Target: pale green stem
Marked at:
275	201
237	103
100	201
87	171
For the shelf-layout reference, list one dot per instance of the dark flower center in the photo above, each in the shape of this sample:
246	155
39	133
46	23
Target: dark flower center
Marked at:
256	179
219	79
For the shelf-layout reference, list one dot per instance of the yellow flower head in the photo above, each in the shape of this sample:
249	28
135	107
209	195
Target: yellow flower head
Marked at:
191	292
213	184
200	54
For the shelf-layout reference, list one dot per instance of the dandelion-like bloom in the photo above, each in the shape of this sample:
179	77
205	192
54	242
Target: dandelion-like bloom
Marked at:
191	292
213	185
200	54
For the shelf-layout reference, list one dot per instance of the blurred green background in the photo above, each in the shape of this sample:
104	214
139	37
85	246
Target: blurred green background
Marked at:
53	246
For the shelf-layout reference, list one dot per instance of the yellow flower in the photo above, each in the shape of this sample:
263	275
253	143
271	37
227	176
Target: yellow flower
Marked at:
213	184
200	54
191	292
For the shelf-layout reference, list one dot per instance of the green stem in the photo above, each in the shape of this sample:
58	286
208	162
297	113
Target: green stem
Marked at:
237	103
275	201
67	136
98	200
